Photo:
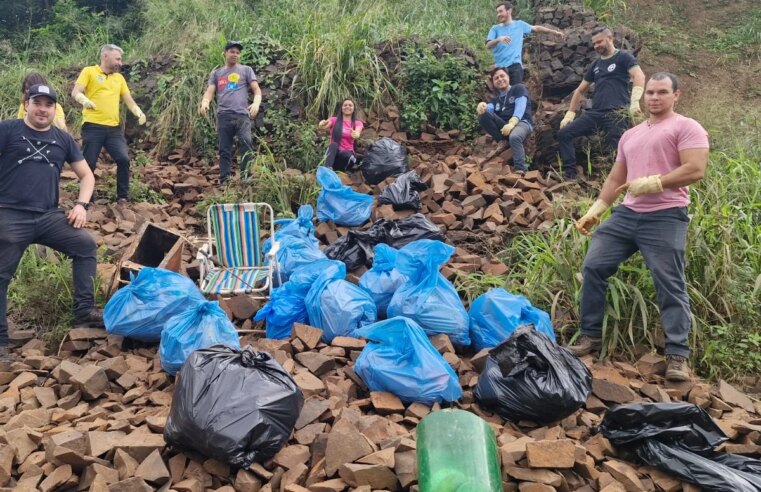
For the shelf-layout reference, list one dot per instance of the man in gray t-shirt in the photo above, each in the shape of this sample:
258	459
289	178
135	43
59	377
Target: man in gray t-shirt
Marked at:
232	84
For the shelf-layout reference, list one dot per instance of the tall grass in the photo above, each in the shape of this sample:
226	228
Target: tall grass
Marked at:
723	273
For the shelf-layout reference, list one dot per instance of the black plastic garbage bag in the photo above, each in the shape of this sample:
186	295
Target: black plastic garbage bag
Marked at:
679	439
530	377
384	158
403	194
356	248
236	406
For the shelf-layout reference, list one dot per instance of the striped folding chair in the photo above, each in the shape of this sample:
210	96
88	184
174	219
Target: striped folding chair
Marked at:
232	262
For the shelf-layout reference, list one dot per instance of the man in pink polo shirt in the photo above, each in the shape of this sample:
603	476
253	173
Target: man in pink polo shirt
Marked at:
657	160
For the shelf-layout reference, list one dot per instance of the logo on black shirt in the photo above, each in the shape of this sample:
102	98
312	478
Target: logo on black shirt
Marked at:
611	67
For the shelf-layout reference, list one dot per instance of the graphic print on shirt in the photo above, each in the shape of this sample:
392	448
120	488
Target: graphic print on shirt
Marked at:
229	82
37	151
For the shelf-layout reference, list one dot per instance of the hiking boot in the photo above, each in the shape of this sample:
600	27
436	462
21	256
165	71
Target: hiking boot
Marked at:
93	319
5	359
585	345
678	369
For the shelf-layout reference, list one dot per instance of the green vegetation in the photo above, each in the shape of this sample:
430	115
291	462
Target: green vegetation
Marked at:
41	294
439	90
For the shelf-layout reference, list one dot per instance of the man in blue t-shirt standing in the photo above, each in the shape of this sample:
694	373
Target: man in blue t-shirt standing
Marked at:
32	155
612	105
505	40
232	84
507	115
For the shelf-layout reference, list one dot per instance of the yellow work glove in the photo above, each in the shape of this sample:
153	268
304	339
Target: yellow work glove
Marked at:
204	106
253	110
355	134
569	116
592	217
642	186
634	108
86	103
138	114
511	123
481	108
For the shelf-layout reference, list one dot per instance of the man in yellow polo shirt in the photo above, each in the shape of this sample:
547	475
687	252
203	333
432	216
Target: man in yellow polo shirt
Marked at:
99	89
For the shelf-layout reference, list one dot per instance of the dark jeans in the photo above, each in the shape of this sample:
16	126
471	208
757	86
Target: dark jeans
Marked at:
613	123
492	124
661	238
20	229
345	160
230	125
515	72
94	138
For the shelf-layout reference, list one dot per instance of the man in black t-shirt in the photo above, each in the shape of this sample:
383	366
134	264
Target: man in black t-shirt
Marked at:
612	105
507	115
32	155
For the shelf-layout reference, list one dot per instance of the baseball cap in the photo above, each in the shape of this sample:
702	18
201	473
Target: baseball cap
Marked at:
233	44
39	90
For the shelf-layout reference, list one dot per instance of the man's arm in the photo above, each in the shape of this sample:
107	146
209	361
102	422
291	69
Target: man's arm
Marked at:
615	179
692	168
208	95
494	42
78	215
608	195
78	93
638	88
578	93
134	108
253	109
547	30
694	163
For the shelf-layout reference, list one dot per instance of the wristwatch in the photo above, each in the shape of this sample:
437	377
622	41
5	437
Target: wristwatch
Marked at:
85	205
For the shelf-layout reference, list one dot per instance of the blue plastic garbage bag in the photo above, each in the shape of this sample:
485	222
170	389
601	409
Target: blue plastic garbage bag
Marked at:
495	315
382	280
339	203
286	305
140	309
400	359
427	297
297	244
200	326
338	307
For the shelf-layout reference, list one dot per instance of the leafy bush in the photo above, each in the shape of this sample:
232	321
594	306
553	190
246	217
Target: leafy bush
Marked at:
437	90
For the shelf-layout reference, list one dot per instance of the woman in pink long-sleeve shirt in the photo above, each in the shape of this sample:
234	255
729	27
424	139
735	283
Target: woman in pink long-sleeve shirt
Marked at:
344	130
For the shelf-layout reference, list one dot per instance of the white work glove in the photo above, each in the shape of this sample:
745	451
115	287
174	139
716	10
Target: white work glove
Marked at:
86	103
569	116
481	108
139	115
204	106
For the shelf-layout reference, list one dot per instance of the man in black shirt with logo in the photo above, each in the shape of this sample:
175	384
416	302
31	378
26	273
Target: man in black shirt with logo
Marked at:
32	155
507	115
612	105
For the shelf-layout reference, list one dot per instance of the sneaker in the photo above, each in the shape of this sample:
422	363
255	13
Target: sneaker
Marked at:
122	202
93	319
678	369
5	359
585	345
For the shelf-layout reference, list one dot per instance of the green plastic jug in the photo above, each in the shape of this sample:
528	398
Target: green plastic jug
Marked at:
457	452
